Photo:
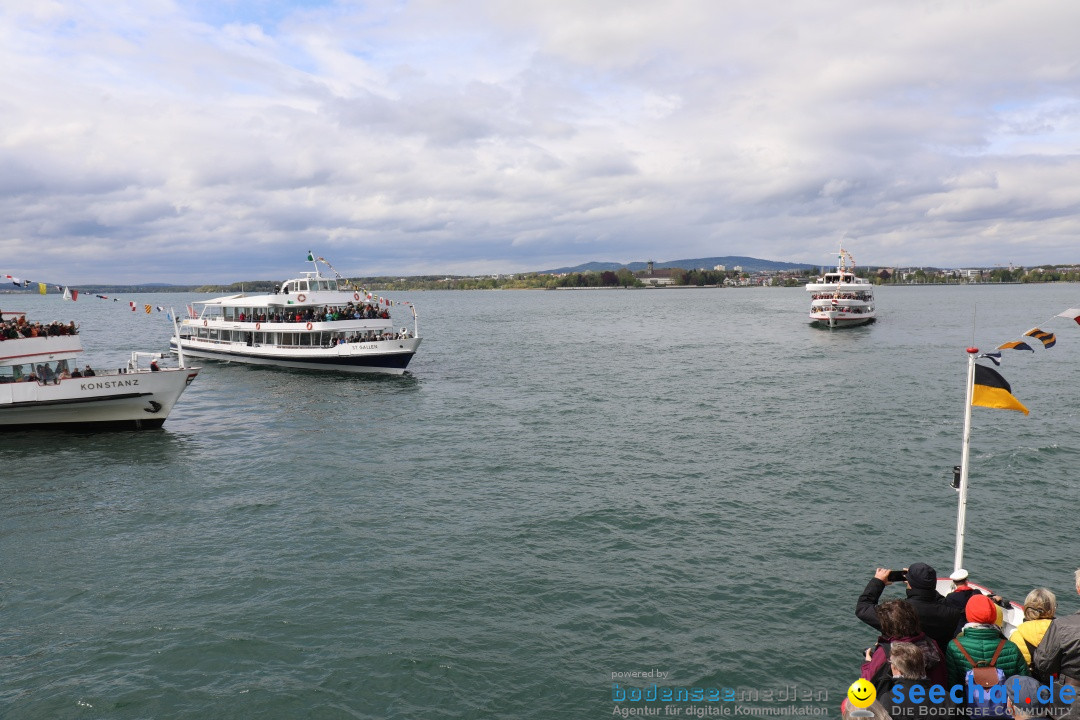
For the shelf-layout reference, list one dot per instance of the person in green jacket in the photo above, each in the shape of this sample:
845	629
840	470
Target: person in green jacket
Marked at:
981	637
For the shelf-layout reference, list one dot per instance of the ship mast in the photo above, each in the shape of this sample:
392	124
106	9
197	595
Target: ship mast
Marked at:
961	512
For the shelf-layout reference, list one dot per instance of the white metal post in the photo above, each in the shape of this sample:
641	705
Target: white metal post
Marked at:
179	347
961	513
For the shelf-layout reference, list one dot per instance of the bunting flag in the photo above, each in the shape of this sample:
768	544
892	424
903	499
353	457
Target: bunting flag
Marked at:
72	294
1047	339
310	257
993	391
1016	345
993	357
1072	314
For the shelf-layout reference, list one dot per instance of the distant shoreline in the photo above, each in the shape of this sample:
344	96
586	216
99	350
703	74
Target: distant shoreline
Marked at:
143	290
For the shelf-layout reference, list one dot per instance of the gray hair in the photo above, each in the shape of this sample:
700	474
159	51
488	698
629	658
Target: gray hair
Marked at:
880	713
1040	604
908	660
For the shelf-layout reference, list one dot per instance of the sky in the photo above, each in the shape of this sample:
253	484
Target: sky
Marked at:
219	140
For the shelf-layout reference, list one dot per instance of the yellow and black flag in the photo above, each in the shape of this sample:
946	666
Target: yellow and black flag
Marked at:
993	391
1047	339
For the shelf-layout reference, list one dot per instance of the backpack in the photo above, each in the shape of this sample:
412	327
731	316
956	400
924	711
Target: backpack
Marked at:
989	697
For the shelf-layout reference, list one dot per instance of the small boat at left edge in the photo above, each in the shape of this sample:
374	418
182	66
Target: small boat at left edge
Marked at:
43	386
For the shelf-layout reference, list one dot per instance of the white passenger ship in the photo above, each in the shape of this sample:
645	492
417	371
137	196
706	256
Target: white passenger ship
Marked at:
314	322
841	299
42	384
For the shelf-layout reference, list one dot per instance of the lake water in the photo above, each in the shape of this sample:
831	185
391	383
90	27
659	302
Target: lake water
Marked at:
566	486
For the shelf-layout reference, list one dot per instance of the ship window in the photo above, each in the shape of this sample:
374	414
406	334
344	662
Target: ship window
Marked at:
302	285
331	285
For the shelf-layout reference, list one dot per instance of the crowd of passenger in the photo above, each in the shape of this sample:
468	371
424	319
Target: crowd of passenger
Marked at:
954	648
46	373
17	328
363	311
403	334
852	310
841	296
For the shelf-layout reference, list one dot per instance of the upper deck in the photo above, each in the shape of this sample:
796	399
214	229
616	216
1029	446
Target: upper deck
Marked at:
27	342
312	289
840	282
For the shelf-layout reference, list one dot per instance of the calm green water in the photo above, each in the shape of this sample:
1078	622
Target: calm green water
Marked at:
567	485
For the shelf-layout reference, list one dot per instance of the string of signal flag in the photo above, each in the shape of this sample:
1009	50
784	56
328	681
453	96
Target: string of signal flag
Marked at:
990	388
72	294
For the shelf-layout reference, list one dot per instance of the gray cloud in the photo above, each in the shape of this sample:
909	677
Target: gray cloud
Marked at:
485	136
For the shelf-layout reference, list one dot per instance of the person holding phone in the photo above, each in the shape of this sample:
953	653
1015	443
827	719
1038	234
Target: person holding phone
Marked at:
938	619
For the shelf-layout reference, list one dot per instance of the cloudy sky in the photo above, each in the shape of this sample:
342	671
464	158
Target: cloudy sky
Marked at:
219	140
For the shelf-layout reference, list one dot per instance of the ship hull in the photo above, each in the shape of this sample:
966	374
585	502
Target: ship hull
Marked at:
387	357
134	400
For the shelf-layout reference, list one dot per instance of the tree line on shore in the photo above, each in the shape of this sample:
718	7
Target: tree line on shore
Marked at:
625	278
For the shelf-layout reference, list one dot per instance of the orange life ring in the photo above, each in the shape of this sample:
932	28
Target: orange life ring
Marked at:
258	325
356	296
204	323
301	297
309	326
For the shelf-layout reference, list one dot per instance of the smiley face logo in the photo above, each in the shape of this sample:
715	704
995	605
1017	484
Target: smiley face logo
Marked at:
862	693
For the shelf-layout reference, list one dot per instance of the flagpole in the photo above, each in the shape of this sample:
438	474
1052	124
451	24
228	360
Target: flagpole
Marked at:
961	513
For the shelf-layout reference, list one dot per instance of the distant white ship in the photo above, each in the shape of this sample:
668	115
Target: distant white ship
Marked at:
840	299
313	322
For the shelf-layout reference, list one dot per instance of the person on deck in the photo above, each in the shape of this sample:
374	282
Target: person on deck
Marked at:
1059	652
963	591
1040	606
900	624
908	671
980	640
1024	702
938	619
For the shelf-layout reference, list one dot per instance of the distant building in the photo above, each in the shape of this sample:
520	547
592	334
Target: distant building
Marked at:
720	268
658	277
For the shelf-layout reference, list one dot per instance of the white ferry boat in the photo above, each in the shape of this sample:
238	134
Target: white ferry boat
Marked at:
42	383
840	299
314	322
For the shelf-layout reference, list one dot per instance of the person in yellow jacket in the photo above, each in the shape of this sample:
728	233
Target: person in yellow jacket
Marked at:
1040	606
